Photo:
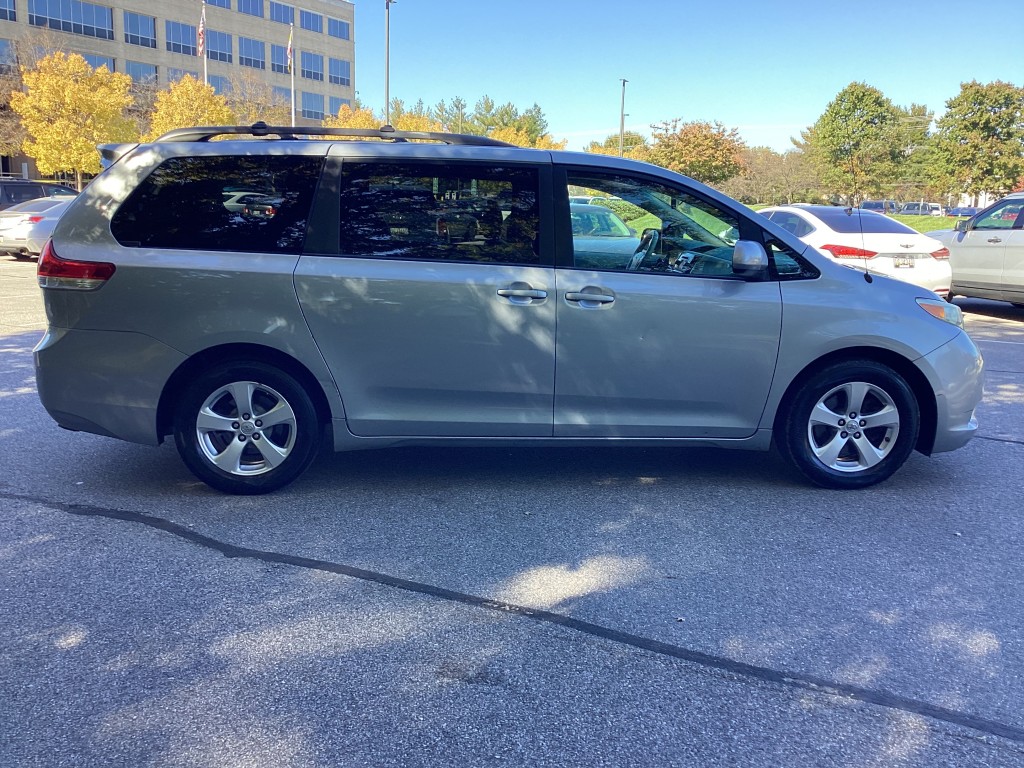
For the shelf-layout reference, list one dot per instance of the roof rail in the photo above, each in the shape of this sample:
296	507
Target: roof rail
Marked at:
385	132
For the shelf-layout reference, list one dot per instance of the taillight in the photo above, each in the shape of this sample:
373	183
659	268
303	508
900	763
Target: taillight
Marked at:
942	253
55	272
848	252
34	219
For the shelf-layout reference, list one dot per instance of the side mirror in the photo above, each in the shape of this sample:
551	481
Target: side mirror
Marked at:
961	225
749	259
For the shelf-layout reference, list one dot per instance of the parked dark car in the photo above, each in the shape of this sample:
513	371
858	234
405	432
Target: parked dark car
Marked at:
14	191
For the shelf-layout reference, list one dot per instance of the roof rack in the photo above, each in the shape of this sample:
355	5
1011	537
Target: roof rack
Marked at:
386	132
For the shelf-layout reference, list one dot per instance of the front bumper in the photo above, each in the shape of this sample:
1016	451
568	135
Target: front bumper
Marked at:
956	373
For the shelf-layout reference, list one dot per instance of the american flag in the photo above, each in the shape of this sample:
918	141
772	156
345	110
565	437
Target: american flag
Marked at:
201	37
291	31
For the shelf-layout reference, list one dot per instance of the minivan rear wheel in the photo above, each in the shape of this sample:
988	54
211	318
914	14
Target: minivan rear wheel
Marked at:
850	425
246	428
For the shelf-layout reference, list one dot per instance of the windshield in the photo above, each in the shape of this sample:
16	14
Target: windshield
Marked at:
596	221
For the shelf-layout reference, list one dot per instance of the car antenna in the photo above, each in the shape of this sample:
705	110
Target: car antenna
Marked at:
860	223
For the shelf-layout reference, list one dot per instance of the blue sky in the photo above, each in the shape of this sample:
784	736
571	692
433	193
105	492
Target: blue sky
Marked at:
766	68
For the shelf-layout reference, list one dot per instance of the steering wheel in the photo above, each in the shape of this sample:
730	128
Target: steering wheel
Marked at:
648	244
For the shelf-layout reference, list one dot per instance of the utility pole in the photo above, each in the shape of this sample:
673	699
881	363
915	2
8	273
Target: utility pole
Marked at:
622	116
387	61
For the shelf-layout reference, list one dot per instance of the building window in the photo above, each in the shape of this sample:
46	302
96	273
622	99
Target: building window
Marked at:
174	75
96	62
252	53
218	46
251	7
220	84
278	58
220	3
340	72
181	38
339	29
312	66
140	73
74	16
282	13
313	106
139	30
8	11
314	22
337	103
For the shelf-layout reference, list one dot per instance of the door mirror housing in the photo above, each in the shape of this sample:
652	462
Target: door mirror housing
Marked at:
962	225
749	260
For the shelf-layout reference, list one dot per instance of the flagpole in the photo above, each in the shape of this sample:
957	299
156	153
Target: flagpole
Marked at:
202	43
291	67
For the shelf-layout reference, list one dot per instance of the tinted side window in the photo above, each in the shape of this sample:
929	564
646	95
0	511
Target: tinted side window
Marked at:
437	212
193	203
19	193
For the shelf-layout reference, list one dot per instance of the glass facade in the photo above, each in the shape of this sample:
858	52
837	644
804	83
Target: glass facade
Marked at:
174	75
181	38
251	7
340	72
139	30
282	13
312	66
279	58
96	62
314	22
220	3
218	46
140	72
337	103
339	29
252	53
220	84
74	16
313	106
7	11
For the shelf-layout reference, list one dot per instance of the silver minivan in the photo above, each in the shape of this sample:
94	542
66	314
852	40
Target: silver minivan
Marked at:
433	292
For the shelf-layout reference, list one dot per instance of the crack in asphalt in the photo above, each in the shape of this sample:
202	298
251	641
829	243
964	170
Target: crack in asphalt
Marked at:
794	680
999	439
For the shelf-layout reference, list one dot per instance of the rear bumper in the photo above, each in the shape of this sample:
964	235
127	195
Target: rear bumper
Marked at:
104	382
956	371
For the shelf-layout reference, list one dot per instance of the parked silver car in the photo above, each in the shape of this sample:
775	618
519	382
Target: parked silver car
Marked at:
986	252
25	227
351	315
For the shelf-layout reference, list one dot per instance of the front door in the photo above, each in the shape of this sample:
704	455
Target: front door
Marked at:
663	341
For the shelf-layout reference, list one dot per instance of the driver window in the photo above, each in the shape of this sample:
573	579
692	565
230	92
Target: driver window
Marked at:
629	224
1001	217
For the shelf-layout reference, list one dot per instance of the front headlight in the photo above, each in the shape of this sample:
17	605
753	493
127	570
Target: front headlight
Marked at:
943	310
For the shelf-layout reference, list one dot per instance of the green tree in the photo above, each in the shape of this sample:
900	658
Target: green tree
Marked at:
453	117
185	103
634	145
67	108
856	143
704	151
980	142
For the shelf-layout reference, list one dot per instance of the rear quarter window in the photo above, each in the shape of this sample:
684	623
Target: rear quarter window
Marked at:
185	204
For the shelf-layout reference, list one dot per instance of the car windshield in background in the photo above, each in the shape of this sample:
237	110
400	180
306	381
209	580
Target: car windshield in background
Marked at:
847	220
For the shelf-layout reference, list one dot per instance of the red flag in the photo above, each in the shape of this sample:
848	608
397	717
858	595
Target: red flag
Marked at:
291	31
201	37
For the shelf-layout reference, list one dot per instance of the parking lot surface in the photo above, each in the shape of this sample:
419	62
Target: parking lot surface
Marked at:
515	607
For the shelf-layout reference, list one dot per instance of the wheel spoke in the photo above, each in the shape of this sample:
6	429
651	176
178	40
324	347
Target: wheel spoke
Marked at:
242	391
869	454
272	454
208	421
281	413
829	452
824	415
230	459
856	392
887	417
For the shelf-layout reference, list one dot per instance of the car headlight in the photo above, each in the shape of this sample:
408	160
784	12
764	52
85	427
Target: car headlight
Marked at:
943	310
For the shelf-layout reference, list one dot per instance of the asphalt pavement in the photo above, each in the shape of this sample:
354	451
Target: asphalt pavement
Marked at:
442	607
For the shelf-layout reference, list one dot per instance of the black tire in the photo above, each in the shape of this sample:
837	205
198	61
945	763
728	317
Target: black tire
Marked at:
851	453
240	455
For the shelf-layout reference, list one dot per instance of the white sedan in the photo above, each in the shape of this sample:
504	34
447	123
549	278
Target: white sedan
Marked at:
867	240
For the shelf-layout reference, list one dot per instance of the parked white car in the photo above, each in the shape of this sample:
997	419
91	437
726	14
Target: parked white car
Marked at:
986	252
25	227
868	240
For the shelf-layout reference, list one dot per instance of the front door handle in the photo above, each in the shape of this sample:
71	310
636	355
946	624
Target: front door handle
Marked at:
588	298
995	240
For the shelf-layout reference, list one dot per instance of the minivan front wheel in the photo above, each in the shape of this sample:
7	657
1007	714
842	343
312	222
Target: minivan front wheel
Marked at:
246	428
850	425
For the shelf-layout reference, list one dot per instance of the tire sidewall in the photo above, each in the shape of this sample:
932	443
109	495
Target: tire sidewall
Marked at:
795	444
307	427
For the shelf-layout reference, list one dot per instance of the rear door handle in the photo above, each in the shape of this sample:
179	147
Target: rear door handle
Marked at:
995	240
522	293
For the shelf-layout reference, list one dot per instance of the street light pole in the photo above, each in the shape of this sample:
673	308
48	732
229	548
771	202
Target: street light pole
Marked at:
387	61
622	116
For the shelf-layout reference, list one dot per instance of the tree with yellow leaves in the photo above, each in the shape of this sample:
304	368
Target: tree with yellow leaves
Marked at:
347	117
186	103
67	108
517	136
